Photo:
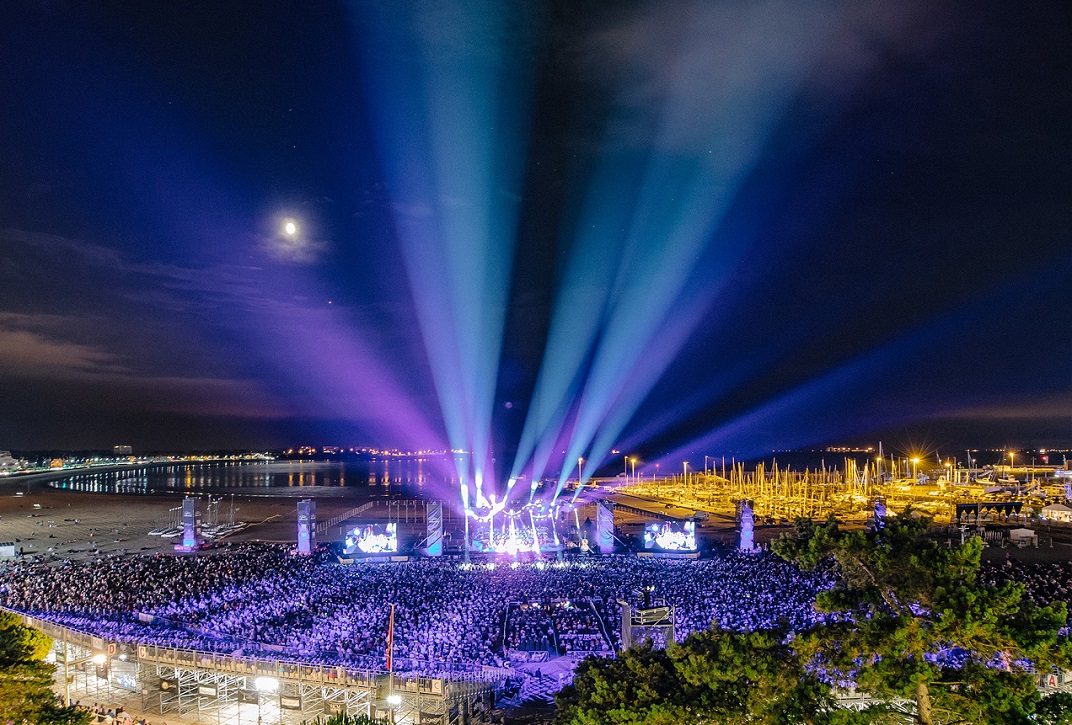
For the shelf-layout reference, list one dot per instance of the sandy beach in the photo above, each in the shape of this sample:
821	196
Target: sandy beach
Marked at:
76	525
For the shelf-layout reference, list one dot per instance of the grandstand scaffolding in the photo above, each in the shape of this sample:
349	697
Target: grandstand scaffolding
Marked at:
204	687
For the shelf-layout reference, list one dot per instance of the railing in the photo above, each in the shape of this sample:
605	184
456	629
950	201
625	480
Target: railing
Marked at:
456	676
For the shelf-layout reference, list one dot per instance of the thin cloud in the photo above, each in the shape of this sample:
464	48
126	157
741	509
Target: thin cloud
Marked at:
1055	406
294	250
28	353
33	347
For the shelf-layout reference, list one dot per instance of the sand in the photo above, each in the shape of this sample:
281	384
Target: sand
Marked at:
75	525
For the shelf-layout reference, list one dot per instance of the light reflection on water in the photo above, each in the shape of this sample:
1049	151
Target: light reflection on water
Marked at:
386	477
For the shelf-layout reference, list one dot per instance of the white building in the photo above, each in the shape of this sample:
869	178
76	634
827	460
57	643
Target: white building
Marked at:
8	464
1057	512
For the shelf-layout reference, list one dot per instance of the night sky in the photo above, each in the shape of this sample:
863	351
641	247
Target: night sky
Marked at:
756	226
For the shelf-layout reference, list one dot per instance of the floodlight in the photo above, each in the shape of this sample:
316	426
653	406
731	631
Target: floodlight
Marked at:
266	684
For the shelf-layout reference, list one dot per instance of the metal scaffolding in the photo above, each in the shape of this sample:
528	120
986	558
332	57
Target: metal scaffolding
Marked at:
203	687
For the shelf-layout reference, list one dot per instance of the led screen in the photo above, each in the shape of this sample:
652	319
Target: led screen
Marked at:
671	536
373	539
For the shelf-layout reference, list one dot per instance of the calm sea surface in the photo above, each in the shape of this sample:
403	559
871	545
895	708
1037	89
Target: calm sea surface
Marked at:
391	477
409	477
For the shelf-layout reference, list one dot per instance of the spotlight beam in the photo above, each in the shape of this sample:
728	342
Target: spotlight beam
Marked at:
449	109
637	249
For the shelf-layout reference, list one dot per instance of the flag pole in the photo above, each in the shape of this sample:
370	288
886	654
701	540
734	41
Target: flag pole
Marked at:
390	662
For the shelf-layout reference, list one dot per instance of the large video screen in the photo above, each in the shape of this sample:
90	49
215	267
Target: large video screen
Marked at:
671	536
373	539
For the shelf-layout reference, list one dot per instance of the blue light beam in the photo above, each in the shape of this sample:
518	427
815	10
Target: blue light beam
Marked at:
732	75
448	86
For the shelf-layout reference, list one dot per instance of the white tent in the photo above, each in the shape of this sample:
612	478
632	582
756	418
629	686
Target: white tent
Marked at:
1023	537
1057	512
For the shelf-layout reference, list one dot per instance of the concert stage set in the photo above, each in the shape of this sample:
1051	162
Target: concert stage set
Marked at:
243	683
399	529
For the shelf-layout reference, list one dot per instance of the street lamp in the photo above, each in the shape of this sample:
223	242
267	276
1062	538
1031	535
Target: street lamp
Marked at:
685	468
579	462
915	462
1012	460
633	461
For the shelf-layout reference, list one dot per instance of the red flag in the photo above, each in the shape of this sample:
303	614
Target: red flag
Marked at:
391	640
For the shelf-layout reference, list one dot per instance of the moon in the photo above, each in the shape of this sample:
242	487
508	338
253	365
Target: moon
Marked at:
290	228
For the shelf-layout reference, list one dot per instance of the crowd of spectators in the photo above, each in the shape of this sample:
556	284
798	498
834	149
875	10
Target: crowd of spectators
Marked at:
1043	582
529	627
259	600
557	627
116	715
579	628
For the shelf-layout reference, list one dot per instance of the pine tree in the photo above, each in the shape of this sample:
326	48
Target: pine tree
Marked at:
26	694
712	677
914	624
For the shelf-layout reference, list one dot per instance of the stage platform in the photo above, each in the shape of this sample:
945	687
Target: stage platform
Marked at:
668	554
373	559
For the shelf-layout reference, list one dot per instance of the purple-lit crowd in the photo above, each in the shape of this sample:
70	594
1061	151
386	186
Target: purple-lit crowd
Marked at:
259	600
1044	583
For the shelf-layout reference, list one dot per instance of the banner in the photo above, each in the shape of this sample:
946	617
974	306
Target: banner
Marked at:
748	541
189	523
605	527
306	526
880	514
434	527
